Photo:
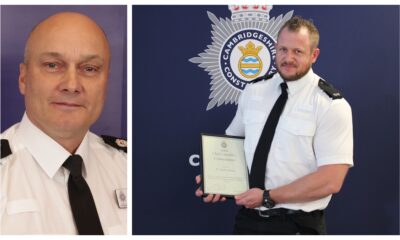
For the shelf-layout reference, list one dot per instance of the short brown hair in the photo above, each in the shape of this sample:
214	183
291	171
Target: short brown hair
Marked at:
296	23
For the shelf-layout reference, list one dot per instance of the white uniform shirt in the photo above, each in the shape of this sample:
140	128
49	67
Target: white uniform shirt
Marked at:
34	193
313	130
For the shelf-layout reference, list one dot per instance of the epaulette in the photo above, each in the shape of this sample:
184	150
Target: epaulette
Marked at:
5	148
329	89
114	142
262	78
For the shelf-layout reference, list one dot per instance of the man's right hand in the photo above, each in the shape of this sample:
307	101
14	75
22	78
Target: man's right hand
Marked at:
211	197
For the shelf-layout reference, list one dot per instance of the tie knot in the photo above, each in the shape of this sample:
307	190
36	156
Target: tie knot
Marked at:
284	87
74	165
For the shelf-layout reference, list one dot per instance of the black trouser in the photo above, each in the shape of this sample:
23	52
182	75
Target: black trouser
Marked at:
280	222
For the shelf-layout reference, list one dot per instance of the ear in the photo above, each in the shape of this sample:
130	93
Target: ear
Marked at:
22	78
315	55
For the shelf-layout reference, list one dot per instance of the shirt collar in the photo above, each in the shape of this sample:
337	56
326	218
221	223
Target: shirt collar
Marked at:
48	153
83	151
297	85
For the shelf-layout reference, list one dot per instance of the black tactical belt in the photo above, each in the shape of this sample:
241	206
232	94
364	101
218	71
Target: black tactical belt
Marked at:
255	213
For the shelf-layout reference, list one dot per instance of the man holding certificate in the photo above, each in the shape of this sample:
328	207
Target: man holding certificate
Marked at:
298	143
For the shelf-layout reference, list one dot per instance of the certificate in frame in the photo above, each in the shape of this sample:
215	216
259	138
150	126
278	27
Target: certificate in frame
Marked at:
223	165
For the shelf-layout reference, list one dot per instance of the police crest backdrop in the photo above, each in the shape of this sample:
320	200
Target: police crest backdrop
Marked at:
181	90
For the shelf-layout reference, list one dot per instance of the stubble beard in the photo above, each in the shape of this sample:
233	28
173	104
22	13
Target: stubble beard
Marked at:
294	77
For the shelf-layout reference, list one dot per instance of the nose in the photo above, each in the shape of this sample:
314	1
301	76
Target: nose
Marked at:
71	82
289	58
290	55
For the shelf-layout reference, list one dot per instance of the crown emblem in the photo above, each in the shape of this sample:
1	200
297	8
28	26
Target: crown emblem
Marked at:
250	64
242	49
250	49
258	13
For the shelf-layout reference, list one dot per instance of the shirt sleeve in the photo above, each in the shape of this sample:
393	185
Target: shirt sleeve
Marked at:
236	128
333	140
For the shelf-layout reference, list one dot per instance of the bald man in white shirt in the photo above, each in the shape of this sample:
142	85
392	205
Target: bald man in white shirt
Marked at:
64	80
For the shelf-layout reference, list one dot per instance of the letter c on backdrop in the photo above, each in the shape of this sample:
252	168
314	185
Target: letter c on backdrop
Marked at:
192	160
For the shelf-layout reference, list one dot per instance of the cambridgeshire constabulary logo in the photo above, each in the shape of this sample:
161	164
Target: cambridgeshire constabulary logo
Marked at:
243	49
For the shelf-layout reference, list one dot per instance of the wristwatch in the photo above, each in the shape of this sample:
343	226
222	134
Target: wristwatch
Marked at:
267	200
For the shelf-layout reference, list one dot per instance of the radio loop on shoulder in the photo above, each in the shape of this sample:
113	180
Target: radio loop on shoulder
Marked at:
329	89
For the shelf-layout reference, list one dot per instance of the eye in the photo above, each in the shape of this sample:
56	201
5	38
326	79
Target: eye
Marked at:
90	69
52	66
282	50
298	52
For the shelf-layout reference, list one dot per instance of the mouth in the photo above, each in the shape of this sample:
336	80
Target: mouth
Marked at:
286	65
67	105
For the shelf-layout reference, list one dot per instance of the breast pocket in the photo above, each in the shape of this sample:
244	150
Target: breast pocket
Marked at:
297	127
254	122
22	206
294	141
23	216
253	117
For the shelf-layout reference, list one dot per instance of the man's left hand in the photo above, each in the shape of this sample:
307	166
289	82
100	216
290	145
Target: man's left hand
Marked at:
251	198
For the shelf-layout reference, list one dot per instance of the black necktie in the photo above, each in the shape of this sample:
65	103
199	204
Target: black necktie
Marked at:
81	200
257	173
